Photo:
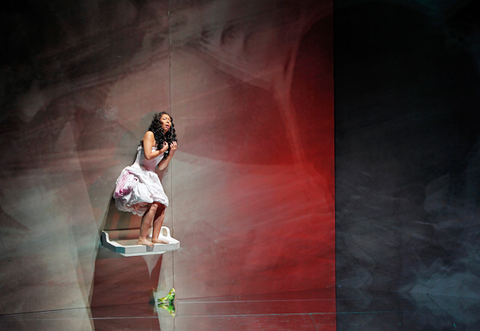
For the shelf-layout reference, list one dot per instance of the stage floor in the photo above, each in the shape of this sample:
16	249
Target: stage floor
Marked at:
299	310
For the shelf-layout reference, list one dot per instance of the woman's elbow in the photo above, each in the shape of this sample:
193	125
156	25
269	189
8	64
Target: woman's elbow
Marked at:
148	157
161	167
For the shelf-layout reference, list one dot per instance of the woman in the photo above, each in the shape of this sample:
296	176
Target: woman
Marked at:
138	189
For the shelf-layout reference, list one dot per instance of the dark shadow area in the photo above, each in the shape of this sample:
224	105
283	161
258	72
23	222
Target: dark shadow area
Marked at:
407	151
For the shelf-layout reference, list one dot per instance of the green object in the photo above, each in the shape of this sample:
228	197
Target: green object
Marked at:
169	308
167	302
168	298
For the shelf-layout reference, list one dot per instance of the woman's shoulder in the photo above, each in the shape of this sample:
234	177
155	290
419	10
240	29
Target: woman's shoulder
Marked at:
149	134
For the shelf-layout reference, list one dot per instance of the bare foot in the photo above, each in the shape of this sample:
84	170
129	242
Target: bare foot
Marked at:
159	241
144	242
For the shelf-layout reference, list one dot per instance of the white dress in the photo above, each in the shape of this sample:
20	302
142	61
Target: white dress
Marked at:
138	185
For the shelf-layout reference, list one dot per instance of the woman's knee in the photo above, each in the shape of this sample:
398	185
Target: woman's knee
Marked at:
153	207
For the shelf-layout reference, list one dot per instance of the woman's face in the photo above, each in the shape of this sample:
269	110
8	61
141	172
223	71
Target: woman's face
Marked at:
166	122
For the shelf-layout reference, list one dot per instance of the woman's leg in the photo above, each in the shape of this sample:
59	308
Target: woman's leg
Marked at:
157	223
146	222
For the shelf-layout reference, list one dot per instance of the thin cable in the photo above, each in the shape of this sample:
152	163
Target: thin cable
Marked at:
171	112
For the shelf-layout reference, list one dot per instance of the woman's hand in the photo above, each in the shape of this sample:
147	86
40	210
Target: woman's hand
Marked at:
164	162
164	147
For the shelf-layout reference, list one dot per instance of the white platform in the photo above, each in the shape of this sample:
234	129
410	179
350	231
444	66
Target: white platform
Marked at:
128	247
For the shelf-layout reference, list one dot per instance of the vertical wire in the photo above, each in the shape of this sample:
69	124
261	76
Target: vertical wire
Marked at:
171	112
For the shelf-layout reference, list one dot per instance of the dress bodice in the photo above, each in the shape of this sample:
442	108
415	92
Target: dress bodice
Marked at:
147	164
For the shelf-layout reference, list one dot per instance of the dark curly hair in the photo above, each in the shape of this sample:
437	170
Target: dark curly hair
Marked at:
160	136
